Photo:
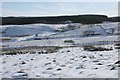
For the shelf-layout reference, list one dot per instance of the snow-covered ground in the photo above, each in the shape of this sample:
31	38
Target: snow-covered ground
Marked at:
47	36
71	62
60	42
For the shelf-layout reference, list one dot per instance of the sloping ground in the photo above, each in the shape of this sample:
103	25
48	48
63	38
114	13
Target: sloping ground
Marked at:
23	30
71	62
80	31
32	29
50	38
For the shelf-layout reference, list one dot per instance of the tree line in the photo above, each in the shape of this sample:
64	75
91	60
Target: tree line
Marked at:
84	19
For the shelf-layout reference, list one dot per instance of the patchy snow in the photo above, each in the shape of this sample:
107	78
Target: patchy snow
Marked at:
66	63
60	42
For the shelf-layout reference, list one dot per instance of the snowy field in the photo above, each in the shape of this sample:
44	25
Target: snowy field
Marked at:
70	61
60	42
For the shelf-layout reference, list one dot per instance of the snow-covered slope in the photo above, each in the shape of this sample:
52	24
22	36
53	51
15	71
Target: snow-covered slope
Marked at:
80	31
47	37
21	30
32	29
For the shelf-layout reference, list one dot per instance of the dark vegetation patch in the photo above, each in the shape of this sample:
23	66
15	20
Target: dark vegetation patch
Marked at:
31	50
68	41
117	46
93	48
84	19
4	39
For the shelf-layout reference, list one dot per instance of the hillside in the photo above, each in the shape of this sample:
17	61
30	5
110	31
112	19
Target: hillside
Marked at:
24	30
84	19
51	50
114	19
46	34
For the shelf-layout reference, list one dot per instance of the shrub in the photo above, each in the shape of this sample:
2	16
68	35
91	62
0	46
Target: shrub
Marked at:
117	46
88	48
52	49
92	48
68	41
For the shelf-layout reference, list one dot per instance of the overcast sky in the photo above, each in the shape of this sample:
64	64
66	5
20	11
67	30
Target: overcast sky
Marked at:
58	8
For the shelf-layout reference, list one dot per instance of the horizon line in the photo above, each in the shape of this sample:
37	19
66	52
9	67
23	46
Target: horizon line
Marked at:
61	15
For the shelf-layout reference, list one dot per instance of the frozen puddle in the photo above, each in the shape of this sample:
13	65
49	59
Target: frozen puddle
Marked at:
66	63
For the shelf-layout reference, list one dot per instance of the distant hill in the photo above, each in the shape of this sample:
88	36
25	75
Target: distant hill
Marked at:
114	19
84	19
